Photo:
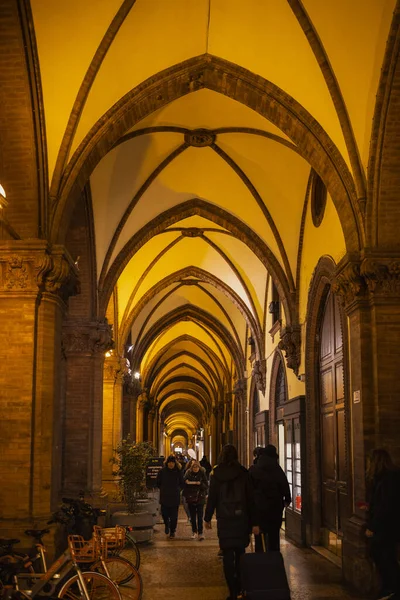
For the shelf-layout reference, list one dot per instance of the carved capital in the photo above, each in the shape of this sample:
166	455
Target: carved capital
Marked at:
381	276
348	283
240	389
368	278
290	343
259	373
33	266
94	337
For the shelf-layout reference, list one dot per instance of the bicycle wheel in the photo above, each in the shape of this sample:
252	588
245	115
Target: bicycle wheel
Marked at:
123	574
98	586
131	551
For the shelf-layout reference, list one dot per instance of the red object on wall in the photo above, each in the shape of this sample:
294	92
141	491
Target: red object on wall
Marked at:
298	502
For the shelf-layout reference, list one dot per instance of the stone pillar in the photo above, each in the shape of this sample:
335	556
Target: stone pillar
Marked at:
214	435
369	287
141	404
85	344
129	401
150	422
115	370
240	393
35	282
156	430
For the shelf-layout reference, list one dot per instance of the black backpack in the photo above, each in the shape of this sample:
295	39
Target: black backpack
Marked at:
232	498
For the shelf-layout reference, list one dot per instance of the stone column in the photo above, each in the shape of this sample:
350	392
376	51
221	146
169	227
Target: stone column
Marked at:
240	393
35	283
115	370
129	400
85	344
369	286
141	404
150	422
214	435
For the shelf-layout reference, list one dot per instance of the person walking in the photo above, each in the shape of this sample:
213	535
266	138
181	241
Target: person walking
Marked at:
170	483
383	522
231	496
195	491
272	495
205	463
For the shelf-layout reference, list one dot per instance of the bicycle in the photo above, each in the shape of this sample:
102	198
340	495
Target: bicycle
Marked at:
84	585
119	569
127	547
80	518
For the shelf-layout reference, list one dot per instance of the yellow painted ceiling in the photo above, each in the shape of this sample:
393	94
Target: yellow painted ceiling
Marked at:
192	289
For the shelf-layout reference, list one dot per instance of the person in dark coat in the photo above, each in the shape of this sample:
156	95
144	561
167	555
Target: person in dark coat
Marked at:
272	494
231	496
383	522
195	491
170	482
205	463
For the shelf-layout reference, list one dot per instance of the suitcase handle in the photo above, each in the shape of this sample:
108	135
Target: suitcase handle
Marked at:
252	548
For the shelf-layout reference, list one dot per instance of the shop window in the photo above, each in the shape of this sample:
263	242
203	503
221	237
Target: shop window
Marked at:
293	460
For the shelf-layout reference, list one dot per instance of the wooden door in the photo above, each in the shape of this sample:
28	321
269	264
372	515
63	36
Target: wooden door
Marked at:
334	464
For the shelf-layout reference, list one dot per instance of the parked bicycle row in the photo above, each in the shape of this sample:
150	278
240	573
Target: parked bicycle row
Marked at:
105	566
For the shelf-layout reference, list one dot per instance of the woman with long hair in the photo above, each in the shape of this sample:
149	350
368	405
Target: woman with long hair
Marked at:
383	483
195	491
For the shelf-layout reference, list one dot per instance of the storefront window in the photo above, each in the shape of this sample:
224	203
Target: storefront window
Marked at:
293	461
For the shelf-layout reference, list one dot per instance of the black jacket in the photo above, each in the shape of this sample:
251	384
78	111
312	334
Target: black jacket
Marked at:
196	490
384	496
231	495
206	465
271	487
170	482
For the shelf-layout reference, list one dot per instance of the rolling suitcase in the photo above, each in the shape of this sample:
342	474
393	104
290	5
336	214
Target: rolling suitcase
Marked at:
263	576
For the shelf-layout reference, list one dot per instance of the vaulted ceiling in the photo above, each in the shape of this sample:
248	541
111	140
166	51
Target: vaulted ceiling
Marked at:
199	203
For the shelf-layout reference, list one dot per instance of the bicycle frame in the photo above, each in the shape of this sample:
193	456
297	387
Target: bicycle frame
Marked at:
58	570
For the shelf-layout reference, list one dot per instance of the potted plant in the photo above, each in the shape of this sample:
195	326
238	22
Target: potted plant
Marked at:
130	462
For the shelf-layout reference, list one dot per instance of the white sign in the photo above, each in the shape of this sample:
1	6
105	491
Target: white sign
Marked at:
356	396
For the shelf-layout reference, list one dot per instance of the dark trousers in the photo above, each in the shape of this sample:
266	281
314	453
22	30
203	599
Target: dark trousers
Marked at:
170	517
231	562
196	517
271	530
384	554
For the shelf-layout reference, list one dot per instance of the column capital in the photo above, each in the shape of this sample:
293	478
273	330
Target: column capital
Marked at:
240	389
34	266
290	344
259	373
87	337
367	277
116	368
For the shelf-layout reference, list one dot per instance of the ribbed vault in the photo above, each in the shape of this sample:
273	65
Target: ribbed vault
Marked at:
198	164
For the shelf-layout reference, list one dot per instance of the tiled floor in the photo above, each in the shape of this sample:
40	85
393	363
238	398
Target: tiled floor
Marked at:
186	568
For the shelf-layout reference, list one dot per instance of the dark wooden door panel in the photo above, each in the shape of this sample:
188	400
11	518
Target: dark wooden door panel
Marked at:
328	447
334	472
329	508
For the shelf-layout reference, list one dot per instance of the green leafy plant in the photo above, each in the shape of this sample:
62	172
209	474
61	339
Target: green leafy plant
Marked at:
130	460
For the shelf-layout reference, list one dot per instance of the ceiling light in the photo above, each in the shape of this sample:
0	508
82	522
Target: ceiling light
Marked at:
108	353
136	375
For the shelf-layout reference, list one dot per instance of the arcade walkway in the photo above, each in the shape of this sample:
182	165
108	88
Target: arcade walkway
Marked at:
190	569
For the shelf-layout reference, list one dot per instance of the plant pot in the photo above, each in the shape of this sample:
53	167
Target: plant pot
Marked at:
140	522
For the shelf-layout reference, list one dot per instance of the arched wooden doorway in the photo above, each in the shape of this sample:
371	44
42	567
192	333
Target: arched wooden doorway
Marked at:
333	438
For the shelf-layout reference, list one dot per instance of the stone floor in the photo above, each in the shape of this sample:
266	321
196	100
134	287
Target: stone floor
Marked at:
186	568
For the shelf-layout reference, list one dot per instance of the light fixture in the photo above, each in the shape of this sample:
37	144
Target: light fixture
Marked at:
136	375
108	353
3	196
